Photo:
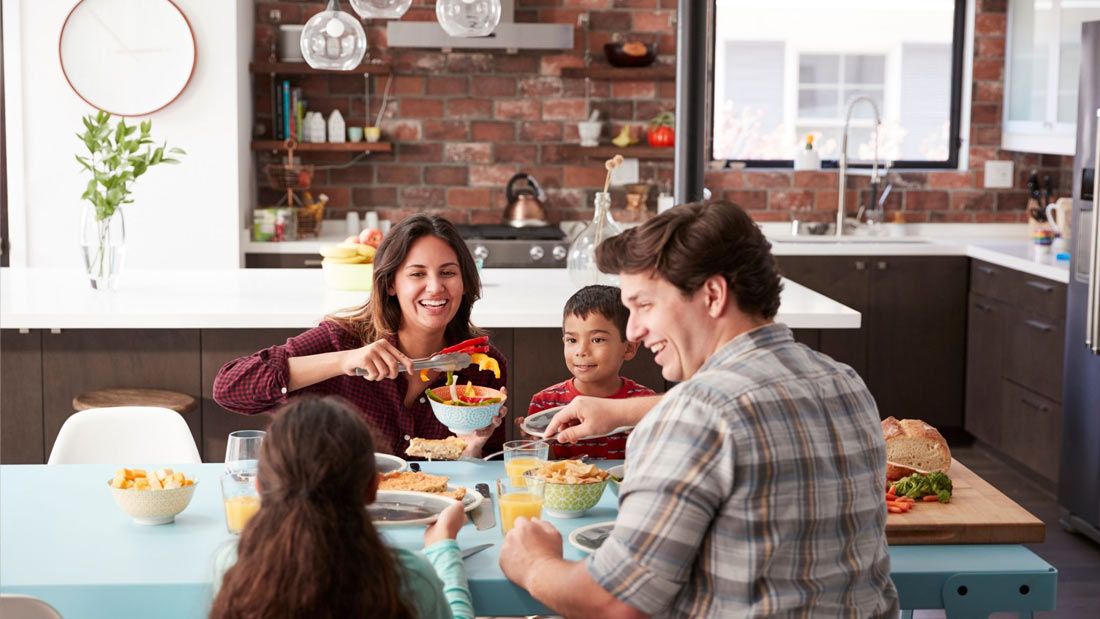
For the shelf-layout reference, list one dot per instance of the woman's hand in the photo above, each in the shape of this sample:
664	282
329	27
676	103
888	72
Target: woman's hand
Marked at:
447	525
476	440
380	360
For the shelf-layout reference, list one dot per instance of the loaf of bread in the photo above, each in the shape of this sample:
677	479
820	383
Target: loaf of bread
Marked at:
913	446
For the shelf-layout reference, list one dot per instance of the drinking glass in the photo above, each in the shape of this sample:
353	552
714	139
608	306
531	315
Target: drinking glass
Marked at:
519	499
242	452
241	500
521	456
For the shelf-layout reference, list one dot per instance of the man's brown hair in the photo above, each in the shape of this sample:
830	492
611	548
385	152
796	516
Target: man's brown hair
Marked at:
691	242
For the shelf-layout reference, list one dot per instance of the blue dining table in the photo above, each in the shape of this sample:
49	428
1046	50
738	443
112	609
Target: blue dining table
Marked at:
63	539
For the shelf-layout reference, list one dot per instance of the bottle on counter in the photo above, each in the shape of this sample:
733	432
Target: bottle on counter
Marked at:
807	157
582	252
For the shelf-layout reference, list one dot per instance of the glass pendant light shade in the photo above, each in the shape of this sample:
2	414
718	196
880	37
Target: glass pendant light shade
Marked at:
381	9
468	18
333	39
582	252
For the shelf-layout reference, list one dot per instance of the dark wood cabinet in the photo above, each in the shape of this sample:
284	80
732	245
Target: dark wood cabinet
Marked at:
909	348
1032	431
1035	345
282	261
21	437
985	350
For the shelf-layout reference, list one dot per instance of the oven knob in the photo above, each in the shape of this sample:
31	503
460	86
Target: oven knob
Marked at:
559	253
537	253
481	252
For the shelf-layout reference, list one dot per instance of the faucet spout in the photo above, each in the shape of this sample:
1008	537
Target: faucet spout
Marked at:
843	161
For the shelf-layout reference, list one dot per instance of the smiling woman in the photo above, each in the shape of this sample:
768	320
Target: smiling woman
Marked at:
425	285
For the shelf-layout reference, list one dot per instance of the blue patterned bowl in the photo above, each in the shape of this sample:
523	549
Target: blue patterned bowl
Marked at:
465	419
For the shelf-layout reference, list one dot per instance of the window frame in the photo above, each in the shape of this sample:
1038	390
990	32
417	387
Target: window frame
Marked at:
954	137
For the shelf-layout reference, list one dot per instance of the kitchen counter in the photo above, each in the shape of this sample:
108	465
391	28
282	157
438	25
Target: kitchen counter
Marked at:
297	298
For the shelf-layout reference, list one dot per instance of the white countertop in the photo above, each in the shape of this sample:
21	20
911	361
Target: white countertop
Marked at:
34	298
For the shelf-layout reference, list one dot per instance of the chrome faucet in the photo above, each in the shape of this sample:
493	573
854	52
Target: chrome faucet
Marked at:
843	164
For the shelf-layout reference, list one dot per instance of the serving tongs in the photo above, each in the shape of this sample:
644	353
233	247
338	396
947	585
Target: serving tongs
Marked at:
447	362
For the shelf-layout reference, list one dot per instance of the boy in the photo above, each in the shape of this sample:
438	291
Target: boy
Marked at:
594	335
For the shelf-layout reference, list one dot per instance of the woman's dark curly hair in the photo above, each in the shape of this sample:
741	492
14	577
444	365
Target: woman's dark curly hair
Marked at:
690	243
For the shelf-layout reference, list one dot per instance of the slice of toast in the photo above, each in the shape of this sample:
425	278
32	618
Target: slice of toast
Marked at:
449	448
420	482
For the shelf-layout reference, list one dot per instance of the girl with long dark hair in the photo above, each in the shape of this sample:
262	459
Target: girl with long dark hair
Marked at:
425	285
312	550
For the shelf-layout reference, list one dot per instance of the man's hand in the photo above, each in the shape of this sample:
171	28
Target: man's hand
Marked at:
583	417
528	544
476	440
447	525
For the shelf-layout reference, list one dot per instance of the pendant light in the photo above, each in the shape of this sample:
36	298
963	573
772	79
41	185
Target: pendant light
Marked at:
333	39
468	18
381	9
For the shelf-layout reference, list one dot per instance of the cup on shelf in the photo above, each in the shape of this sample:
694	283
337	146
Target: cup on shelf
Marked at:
373	134
589	131
355	134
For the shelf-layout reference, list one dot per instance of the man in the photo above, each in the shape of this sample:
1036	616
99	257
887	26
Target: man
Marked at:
753	487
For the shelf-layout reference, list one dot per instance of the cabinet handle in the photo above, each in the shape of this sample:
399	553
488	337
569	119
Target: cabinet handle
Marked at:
1042	408
311	262
1041	326
860	265
1041	286
983	307
881	265
987	270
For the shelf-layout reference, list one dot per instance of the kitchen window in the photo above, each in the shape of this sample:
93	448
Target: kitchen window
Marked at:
785	69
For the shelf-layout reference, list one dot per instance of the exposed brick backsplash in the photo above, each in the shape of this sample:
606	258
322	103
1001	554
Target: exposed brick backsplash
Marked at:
463	123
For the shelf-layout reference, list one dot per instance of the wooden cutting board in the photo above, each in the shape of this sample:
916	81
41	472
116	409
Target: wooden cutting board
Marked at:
977	514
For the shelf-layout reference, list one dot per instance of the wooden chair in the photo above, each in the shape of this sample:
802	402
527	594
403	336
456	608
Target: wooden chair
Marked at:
107	398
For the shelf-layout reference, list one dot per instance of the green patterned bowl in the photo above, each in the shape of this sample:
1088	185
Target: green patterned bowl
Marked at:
571	500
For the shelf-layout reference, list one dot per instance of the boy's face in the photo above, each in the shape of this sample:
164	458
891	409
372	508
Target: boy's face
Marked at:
594	348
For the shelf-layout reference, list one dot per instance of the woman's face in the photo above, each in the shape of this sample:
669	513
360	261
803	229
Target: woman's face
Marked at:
428	284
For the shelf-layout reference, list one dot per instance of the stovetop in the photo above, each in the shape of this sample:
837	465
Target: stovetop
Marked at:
503	232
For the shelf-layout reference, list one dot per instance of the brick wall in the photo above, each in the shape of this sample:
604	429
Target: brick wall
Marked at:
463	123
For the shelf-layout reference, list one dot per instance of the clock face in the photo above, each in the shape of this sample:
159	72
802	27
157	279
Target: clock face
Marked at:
127	57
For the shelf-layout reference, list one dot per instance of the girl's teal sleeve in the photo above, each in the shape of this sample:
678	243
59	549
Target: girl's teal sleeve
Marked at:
444	557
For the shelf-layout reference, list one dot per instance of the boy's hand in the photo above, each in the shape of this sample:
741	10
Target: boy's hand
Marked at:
580	419
447	526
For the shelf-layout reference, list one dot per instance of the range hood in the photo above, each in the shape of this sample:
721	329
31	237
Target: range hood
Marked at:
507	36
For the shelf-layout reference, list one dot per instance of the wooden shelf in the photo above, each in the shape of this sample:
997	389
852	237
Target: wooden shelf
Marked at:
301	68
607	72
576	151
308	147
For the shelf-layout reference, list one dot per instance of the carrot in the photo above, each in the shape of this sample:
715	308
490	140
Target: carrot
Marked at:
931	498
895	510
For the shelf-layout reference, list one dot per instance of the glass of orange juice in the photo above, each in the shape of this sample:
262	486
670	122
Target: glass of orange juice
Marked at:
241	499
522	456
522	499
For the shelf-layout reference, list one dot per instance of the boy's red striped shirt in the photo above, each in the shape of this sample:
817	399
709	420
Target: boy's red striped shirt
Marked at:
607	448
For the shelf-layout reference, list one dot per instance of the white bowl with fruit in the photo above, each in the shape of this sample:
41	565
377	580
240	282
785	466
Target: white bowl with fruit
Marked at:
350	264
154	498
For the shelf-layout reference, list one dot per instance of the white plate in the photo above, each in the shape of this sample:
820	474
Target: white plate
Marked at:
385	463
400	508
581	538
536	424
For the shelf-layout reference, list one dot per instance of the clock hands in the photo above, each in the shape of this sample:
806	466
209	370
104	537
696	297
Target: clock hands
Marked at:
108	29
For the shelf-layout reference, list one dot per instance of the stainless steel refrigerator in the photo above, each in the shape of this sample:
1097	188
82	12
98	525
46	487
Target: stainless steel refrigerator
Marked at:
1079	484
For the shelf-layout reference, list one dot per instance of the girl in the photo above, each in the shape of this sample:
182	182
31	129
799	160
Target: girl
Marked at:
312	550
425	285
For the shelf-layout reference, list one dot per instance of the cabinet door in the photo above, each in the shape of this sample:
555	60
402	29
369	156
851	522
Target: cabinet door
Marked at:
984	357
1035	346
220	346
78	360
21	439
1032	432
844	279
917	336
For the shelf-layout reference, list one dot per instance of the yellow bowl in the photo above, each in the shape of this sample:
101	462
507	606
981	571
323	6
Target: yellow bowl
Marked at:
348	276
153	506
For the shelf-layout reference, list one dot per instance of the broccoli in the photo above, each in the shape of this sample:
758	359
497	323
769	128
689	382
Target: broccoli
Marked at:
920	485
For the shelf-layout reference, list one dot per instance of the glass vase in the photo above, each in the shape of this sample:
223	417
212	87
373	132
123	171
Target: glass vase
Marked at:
103	243
582	252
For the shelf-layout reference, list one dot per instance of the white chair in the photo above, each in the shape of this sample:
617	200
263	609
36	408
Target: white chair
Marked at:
125	434
13	606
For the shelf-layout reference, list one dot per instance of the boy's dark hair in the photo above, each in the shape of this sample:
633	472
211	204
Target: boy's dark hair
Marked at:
603	300
691	242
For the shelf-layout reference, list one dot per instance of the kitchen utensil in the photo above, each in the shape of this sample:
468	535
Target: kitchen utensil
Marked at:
526	205
482	515
453	362
469	552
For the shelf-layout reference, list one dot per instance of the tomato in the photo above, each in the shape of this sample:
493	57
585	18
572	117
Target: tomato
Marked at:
661	136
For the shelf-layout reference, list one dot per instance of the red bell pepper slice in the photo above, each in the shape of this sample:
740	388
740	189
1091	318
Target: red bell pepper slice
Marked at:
463	346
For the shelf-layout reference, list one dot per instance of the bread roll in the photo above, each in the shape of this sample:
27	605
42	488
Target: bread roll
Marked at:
913	446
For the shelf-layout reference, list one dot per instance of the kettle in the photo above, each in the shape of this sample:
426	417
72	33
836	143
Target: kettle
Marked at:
525	204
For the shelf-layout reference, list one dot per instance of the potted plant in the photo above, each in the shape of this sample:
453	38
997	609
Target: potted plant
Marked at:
661	131
117	155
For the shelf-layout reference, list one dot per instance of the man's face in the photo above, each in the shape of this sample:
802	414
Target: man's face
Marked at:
674	327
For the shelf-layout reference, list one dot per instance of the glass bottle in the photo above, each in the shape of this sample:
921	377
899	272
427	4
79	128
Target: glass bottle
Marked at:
582	252
333	39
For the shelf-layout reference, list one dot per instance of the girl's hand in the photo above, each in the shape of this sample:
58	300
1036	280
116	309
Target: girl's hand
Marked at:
379	359
476	440
447	526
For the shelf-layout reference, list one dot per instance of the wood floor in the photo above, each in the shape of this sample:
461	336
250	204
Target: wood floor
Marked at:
1077	558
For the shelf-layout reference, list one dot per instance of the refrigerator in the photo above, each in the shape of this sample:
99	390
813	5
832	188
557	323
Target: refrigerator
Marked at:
1079	477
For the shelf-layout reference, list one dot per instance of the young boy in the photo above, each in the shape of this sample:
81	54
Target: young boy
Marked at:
594	334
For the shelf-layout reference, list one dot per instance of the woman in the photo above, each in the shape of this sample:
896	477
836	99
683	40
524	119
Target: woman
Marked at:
312	550
425	285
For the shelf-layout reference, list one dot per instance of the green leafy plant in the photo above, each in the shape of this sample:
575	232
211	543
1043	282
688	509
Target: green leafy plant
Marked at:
117	155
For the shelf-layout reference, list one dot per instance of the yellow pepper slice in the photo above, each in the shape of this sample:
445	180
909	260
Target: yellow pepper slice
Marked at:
470	391
424	376
485	362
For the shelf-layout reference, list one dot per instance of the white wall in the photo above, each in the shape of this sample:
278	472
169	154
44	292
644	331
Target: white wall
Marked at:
183	216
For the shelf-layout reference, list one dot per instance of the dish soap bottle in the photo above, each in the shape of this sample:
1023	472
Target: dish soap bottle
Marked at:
807	158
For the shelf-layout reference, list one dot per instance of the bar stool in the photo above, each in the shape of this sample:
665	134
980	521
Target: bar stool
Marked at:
106	398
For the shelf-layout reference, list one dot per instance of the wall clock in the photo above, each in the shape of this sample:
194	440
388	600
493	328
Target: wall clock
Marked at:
127	57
